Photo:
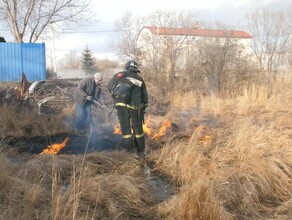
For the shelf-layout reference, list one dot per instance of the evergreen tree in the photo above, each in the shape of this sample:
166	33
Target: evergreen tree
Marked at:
88	64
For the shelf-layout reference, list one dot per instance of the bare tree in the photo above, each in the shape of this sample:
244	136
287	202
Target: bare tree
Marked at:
224	63
289	52
270	30
71	60
106	63
166	49
128	28
30	19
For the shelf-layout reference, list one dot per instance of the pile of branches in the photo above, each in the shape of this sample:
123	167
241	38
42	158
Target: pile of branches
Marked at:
52	96
48	96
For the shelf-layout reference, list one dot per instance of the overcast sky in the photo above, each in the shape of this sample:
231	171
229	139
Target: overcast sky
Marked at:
229	12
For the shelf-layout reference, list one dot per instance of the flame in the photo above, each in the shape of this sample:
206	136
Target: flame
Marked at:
163	129
205	139
203	134
55	148
147	130
117	129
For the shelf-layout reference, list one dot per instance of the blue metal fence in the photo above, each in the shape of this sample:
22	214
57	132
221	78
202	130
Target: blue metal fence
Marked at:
18	58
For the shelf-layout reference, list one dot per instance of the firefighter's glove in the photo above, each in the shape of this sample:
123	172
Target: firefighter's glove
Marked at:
89	98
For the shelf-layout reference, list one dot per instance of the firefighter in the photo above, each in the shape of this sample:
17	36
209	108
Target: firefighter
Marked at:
88	89
130	108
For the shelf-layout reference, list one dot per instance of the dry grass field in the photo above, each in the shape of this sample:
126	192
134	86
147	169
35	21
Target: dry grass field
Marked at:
224	158
242	169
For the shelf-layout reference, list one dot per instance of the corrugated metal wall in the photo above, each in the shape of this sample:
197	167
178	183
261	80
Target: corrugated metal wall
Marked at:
18	58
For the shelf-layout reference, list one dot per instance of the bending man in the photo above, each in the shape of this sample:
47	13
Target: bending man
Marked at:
88	89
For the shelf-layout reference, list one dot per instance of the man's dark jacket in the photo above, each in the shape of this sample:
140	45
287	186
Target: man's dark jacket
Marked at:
87	87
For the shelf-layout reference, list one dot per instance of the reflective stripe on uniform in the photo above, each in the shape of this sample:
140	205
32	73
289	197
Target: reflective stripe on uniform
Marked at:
139	135
135	81
127	136
125	105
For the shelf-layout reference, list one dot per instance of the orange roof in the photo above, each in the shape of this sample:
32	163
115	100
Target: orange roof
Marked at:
198	32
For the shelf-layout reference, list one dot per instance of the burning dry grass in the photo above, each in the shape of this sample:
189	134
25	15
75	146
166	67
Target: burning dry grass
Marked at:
244	172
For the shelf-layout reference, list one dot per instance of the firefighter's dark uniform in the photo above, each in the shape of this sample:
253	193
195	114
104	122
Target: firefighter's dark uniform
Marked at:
131	114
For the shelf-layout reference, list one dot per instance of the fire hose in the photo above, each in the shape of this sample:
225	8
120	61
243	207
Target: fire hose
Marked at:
103	107
87	144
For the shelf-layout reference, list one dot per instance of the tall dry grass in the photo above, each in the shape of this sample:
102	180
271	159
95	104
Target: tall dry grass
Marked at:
107	185
24	121
245	171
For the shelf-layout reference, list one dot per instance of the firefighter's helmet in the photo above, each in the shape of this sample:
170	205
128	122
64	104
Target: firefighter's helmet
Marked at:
131	65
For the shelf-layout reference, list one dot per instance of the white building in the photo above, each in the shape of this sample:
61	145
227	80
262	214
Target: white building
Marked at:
164	45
